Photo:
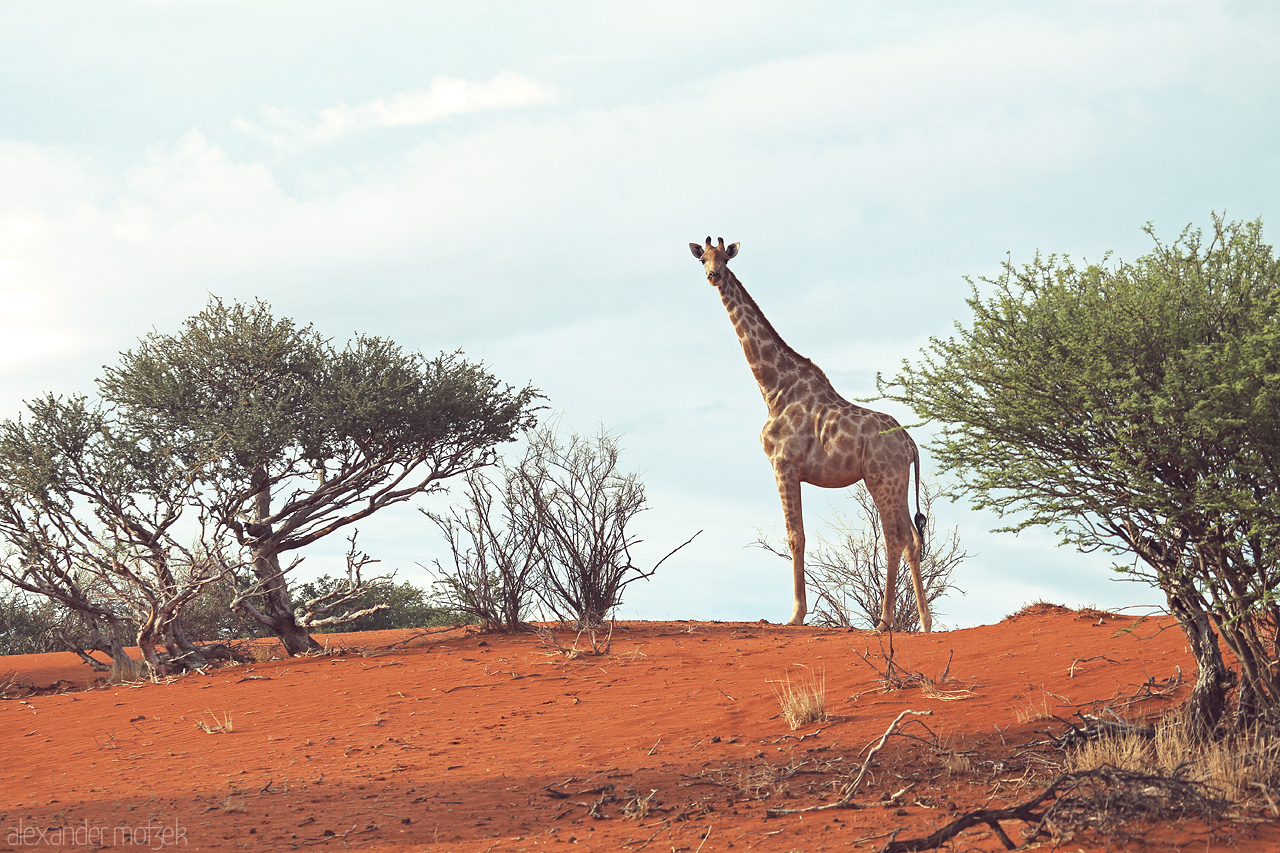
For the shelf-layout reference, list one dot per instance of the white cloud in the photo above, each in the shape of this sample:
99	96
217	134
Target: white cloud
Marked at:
20	344
447	96
18	311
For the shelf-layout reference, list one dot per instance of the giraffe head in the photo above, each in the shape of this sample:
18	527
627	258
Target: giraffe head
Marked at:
714	258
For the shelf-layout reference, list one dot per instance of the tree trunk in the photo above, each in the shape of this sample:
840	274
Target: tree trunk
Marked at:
1249	710
123	667
148	638
276	612
1208	698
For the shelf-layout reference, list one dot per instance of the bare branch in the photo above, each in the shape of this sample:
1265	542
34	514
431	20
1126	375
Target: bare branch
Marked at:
846	795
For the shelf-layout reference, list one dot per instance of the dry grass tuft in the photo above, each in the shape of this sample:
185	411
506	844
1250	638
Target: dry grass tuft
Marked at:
1031	711
1035	707
954	760
222	726
263	652
1238	767
234	803
9	686
956	763
599	646
804	701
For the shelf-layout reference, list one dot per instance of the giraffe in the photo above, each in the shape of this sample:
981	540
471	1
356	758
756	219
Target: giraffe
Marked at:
813	435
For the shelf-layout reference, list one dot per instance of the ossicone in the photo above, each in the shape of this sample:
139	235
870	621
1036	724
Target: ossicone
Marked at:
700	252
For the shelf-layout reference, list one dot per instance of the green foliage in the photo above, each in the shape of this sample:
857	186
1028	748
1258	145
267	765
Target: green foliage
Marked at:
211	617
29	624
1134	407
237	379
405	605
263	391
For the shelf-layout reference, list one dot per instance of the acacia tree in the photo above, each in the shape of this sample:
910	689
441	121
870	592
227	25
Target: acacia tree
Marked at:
1134	407
296	439
89	516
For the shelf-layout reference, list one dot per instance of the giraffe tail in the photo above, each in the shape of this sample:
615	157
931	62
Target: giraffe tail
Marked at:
921	519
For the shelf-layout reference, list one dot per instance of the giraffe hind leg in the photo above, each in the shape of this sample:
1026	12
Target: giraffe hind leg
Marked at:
899	540
915	553
890	590
903	541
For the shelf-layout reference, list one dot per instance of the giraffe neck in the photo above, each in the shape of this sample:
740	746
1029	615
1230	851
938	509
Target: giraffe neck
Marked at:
778	368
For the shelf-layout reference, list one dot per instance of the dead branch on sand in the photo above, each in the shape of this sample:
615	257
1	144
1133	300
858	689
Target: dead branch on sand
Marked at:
846	796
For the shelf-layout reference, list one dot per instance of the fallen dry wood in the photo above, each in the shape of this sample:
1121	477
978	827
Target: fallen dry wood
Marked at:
846	796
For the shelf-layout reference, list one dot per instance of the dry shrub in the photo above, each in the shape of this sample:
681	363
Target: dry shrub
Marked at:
803	701
1039	607
638	807
895	677
930	688
257	650
554	526
1238	766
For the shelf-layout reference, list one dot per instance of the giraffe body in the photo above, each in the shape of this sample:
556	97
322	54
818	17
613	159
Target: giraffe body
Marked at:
813	435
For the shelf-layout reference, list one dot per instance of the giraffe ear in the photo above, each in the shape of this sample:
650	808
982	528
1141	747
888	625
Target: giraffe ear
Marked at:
696	249
731	251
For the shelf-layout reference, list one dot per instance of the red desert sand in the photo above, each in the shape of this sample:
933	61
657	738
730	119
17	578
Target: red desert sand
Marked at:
671	739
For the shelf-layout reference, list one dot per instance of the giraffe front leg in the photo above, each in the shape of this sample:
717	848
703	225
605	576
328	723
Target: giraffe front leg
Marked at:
789	490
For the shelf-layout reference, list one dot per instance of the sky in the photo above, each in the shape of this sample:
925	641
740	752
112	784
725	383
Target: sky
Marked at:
521	181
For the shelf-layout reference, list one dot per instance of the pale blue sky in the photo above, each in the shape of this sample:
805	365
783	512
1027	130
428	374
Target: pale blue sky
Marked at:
521	180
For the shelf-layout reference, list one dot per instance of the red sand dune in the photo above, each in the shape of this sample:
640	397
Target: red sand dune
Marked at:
671	741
